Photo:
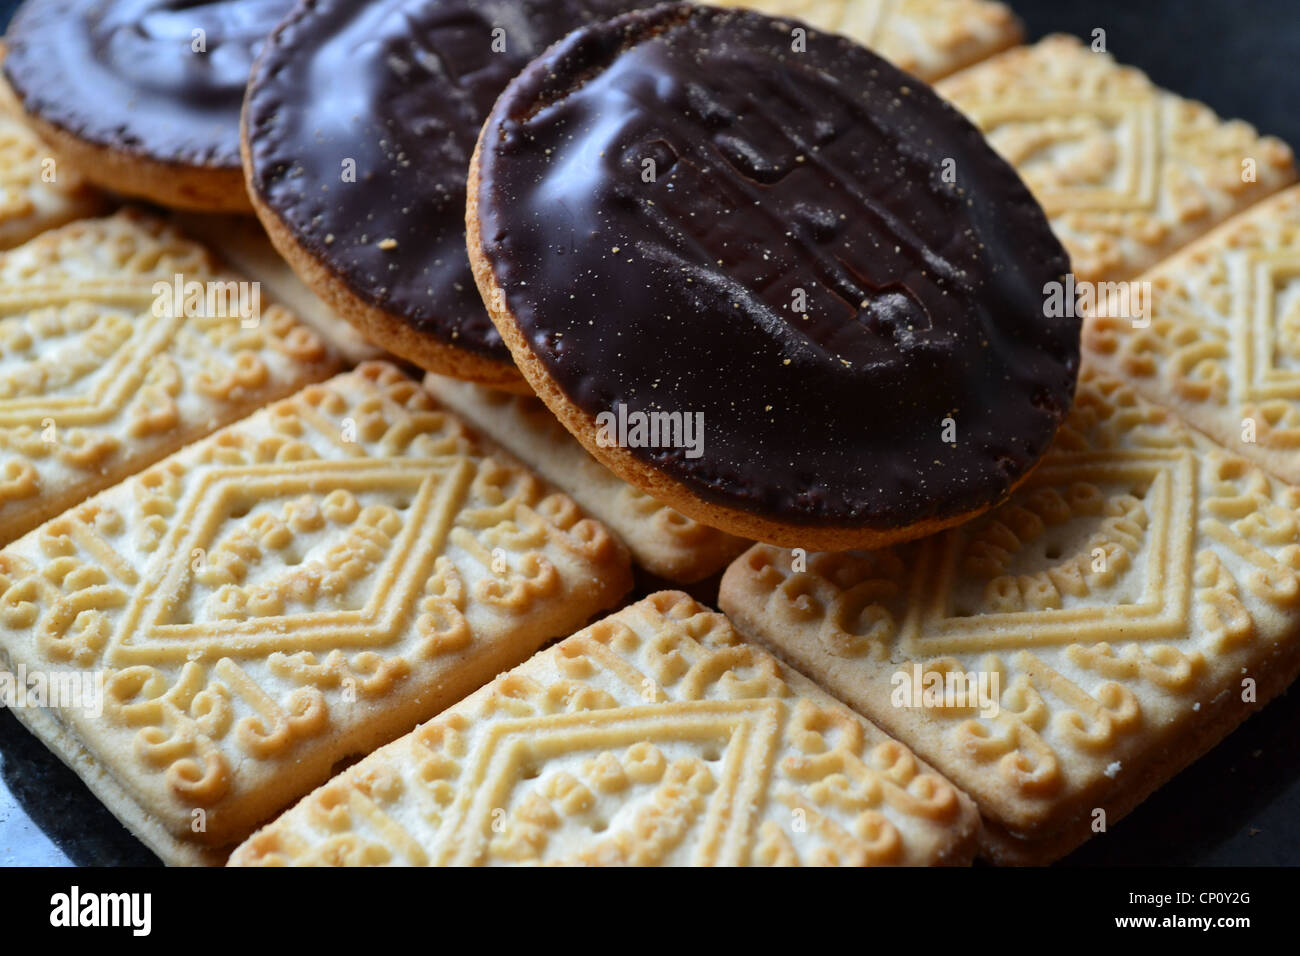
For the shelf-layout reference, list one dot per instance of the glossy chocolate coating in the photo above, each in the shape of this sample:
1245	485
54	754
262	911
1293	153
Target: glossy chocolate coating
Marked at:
400	88
778	171
125	74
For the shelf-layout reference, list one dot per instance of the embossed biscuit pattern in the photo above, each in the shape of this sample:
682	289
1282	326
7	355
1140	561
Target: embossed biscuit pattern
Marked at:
662	540
655	736
96	385
1221	344
36	191
1139	588
930	38
1127	172
294	590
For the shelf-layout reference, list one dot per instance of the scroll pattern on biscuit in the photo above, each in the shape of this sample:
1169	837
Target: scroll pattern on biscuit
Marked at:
1127	172
293	590
1222	342
1140	590
929	38
655	736
37	192
96	382
662	540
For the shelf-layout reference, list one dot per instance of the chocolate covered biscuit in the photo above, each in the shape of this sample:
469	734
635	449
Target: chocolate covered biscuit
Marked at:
143	96
808	269
360	125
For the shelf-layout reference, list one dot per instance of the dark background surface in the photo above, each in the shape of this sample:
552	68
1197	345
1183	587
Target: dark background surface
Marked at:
1240	805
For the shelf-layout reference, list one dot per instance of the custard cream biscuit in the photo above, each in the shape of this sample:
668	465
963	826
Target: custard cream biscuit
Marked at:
121	341
1062	657
286	594
36	191
242	242
662	540
928	38
1220	338
655	736
1127	172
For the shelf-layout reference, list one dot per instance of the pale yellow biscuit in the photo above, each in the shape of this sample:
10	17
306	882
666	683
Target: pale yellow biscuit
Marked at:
286	594
655	736
242	242
1221	341
662	540
1130	605
36	191
97	382
1127	172
929	38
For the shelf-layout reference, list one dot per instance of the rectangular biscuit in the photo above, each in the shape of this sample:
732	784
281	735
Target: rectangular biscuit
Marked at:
1126	172
288	593
95	385
242	242
662	540
1221	342
655	736
1133	602
36	192
928	38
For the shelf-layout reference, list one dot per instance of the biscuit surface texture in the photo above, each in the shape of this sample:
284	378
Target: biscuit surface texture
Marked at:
291	592
1127	172
1134	601
928	38
662	540
36	191
1221	344
96	382
241	241
655	736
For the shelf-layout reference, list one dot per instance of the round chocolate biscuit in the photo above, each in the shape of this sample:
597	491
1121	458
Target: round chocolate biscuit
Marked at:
143	96
769	278
360	123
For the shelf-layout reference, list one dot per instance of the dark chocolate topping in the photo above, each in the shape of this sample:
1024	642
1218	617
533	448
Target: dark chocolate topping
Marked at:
126	75
401	89
778	171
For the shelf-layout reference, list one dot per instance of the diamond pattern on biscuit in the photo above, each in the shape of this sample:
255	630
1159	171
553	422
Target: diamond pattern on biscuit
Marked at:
95	385
292	591
37	192
655	736
1221	345
662	540
1125	600
1127	172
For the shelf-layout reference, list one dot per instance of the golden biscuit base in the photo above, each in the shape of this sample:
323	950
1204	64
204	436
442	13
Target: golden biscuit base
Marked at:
662	540
927	38
1221	341
1124	611
289	593
36	191
655	736
1126	172
97	382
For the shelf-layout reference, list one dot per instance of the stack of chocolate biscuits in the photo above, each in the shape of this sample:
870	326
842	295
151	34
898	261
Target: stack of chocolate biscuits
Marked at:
973	407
